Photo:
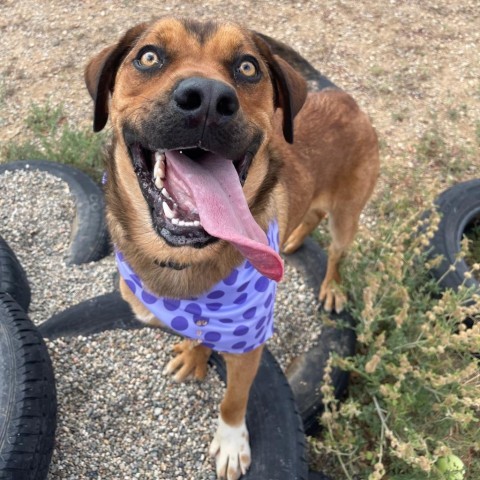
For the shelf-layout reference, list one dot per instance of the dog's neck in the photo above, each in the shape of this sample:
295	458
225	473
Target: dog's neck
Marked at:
172	265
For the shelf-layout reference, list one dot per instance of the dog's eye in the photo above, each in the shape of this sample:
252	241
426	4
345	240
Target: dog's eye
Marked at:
148	58
247	69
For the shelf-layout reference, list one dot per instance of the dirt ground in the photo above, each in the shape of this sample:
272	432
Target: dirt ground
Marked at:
412	65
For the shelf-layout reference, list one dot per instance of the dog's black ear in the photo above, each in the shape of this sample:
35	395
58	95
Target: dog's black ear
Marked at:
102	69
290	87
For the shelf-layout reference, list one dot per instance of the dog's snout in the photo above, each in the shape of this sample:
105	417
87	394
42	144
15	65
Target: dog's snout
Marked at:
203	97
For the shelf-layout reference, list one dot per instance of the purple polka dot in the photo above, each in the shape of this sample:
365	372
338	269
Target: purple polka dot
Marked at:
179	323
212	336
261	284
136	279
241	330
241	288
232	278
249	349
226	320
131	285
239	345
171	304
260	332
260	323
247	265
216	294
250	313
194	309
268	301
241	299
214	306
208	345
148	297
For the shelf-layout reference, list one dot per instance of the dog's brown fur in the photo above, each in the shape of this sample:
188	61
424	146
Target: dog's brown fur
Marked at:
331	168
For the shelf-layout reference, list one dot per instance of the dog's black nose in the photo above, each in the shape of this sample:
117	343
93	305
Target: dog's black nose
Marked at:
203	98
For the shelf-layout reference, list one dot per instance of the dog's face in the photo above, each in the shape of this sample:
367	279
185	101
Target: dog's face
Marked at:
189	99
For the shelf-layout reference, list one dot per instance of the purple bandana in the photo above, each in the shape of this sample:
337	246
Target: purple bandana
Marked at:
235	316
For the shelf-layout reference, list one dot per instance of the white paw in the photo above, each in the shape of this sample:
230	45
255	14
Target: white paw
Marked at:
231	450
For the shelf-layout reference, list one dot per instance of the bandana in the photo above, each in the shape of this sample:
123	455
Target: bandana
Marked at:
235	316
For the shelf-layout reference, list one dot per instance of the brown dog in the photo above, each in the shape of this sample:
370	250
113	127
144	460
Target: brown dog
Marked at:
203	162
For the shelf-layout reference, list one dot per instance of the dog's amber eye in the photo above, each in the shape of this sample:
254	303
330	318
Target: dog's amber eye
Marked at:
149	59
247	69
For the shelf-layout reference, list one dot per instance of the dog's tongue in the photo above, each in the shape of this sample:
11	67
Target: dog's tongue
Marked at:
215	188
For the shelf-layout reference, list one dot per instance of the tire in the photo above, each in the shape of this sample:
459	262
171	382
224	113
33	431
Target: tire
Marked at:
90	240
27	397
105	312
13	279
458	207
306	372
276	431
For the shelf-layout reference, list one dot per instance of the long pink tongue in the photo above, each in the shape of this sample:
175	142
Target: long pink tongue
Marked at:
215	188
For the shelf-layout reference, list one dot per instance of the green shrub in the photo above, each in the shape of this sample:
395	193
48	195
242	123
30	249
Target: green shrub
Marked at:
50	137
415	390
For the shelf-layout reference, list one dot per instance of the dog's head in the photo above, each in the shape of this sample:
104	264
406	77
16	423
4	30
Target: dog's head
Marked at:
190	102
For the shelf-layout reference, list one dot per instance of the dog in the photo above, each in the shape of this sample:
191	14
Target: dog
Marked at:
209	177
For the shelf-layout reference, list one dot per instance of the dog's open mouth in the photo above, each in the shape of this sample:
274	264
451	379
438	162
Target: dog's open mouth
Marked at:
168	192
195	197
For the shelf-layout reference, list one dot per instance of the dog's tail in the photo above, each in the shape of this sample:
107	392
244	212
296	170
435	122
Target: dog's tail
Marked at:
316	81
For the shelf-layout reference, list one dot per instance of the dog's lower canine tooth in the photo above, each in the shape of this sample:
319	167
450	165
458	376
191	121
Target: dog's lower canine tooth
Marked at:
166	210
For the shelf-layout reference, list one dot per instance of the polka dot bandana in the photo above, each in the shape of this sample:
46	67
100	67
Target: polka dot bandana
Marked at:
235	316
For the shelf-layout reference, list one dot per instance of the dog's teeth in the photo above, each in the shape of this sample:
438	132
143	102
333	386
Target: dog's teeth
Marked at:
159	183
181	223
166	194
166	210
159	167
196	223
175	221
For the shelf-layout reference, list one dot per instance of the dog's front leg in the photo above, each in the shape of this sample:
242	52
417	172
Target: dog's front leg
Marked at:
230	446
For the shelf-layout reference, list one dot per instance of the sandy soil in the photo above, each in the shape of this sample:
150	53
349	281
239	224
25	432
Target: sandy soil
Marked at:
413	66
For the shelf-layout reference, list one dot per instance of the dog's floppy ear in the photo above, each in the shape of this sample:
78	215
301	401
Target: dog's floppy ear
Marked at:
290	87
101	71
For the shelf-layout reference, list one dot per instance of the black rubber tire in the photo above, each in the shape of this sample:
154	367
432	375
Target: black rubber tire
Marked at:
306	372
13	279
458	206
27	397
99	314
89	238
276	432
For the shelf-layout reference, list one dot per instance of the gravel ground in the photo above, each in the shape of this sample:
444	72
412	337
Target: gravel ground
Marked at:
119	418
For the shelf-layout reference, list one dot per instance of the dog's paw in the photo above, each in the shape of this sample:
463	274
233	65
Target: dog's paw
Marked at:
332	297
292	244
191	360
231	449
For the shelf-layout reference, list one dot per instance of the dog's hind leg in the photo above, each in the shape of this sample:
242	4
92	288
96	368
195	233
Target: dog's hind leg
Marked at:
311	219
230	445
343	224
